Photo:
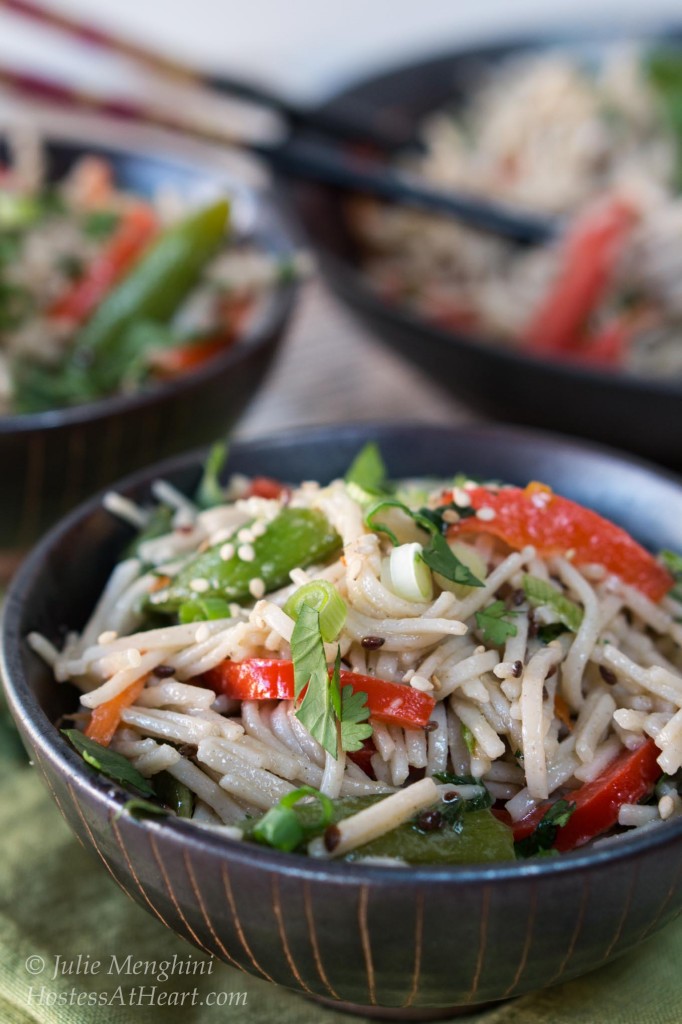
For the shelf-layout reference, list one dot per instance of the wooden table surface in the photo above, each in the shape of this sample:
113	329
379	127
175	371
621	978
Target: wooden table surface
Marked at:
331	369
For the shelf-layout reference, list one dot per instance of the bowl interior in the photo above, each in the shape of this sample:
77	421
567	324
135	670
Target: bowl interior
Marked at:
500	381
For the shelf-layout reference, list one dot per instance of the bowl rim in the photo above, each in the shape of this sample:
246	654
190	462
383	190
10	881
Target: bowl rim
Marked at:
274	315
111	796
486	46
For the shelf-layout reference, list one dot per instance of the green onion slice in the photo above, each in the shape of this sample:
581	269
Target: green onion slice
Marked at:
326	600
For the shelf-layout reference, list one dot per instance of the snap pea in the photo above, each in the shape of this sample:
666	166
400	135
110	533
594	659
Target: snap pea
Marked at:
152	291
296	537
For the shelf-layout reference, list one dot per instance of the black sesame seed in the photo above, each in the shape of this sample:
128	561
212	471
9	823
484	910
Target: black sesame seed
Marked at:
188	750
429	821
450	796
372	643
163	671
431	726
517	669
518	597
332	838
607	675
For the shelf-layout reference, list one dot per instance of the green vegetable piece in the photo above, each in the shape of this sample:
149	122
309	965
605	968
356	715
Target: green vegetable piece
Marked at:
108	762
316	711
325	599
663	68
469	739
296	537
476	803
493	624
203	609
542	838
541	592
139	808
153	290
174	794
477	838
284	828
17	211
101	223
355	728
210	491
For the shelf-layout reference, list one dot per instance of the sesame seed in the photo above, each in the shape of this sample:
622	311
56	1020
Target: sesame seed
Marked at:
258	529
234	610
372	643
666	806
227	552
450	516
421	683
107	636
486	514
480	649
134	657
461	497
245	536
199	585
246	553
202	633
256	587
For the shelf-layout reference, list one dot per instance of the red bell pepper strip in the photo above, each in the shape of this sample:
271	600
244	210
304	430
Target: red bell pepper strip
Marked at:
266	487
168	363
132	236
588	261
554	525
626	780
273	679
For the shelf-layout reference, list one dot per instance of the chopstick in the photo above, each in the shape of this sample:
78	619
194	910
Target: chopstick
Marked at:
354	128
305	159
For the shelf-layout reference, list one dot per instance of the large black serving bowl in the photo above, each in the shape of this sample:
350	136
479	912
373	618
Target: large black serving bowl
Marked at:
51	461
415	940
640	415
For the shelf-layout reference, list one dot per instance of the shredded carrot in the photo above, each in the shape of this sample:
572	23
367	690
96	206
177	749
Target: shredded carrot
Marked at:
105	719
563	712
159	583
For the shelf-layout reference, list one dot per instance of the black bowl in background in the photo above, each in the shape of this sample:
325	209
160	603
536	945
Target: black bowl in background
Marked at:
53	460
415	940
642	416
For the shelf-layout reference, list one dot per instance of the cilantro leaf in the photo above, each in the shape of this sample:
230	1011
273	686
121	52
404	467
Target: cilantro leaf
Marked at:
436	514
492	622
439	557
311	680
367	470
108	762
540	592
542	838
355	728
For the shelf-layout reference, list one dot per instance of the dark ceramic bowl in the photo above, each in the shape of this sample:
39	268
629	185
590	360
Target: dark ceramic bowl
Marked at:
51	461
415	940
640	415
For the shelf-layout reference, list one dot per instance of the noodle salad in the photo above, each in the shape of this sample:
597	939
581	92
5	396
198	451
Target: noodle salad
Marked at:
425	671
599	145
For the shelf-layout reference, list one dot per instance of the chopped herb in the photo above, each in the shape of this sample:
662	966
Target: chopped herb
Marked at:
367	470
540	592
355	728
469	740
436	552
542	838
108	762
493	624
436	515
210	492
673	563
311	680
551	631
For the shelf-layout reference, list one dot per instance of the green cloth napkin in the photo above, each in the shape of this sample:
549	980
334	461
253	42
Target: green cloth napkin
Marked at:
56	899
